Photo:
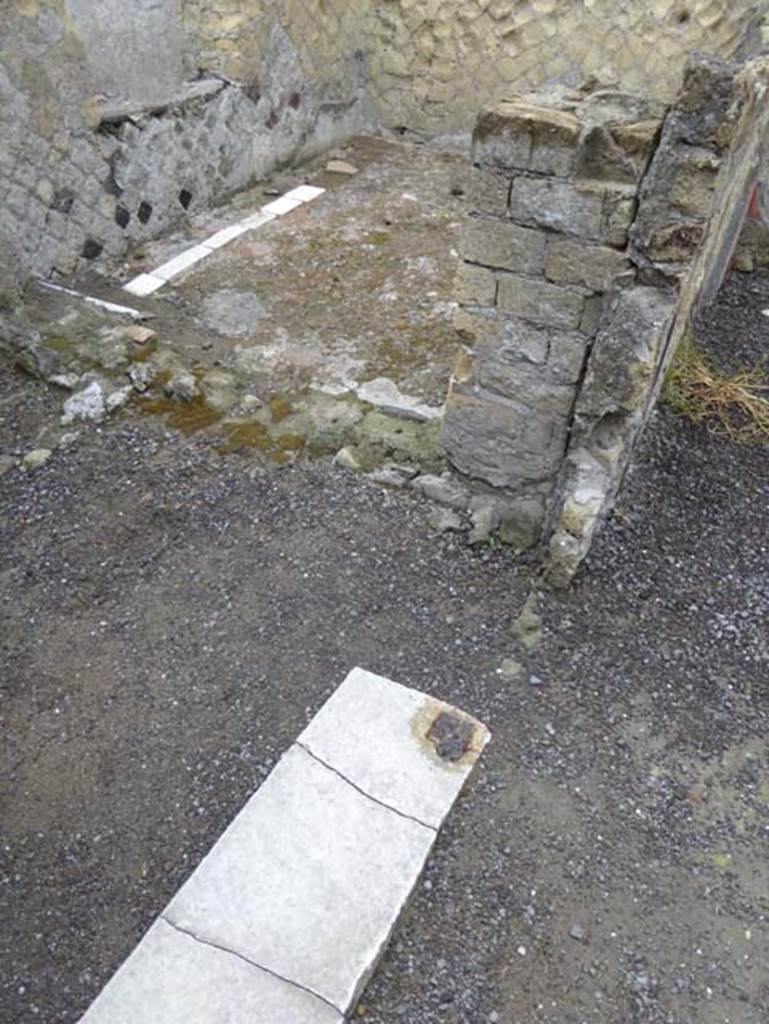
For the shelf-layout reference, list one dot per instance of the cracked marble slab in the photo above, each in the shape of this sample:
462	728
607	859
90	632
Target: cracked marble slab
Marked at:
300	895
173	979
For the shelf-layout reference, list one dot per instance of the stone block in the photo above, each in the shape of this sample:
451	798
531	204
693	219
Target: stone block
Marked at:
637	141
488	191
518	354
394	760
592	266
502	443
540	301
524	341
307	881
500	143
175	978
619	211
625	353
674	242
500	372
557	206
692	186
591	315
594	211
475	286
617	153
494	243
288	915
566	356
521	521
516	135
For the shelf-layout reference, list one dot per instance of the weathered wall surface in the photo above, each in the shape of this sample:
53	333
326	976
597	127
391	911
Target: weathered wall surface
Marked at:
108	135
114	33
720	116
554	191
434	62
599	228
298	75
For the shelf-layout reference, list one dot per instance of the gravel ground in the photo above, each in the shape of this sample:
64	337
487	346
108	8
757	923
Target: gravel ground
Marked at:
736	333
172	618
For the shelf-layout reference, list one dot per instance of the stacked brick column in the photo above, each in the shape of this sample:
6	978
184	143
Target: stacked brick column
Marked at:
553	194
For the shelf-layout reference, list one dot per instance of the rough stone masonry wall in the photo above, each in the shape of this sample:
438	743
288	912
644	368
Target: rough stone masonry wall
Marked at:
117	119
554	191
598	228
716	138
430	60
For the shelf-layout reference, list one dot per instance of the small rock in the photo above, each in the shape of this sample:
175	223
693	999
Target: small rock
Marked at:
443	490
87	404
535	681
142	375
385	395
510	669
444	520
341	167
406	469
117	398
485	516
387	477
578	932
6	464
36	458
137	333
347	459
249	403
527	628
182	386
65	380
68	439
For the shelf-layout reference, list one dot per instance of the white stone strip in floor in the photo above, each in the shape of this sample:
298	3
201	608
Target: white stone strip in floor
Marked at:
108	307
146	284
287	916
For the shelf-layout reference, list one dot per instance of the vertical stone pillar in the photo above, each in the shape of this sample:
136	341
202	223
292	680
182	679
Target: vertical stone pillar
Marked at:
553	195
692	206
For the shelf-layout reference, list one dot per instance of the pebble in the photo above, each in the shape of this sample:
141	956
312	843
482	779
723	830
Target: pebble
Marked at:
347	459
341	167
445	521
36	458
510	669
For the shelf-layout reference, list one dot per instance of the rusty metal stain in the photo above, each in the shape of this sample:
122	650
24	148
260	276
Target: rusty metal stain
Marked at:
471	736
451	735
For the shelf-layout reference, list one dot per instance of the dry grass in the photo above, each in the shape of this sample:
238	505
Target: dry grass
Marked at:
733	405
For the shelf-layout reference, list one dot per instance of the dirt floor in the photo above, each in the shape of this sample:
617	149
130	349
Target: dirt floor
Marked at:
355	285
173	616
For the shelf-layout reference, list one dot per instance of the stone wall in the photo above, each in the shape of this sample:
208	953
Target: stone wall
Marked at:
117	121
431	60
600	222
720	116
107	136
553	190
